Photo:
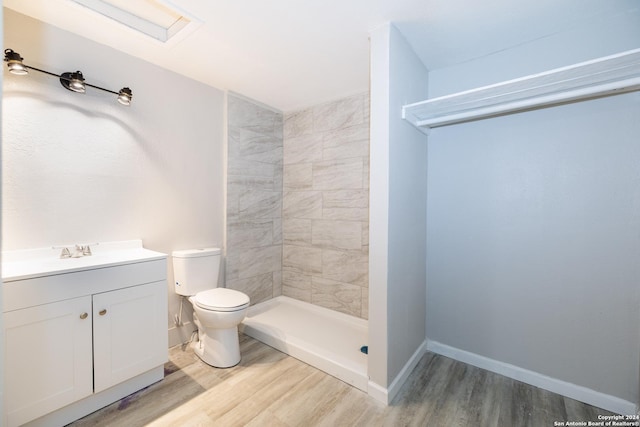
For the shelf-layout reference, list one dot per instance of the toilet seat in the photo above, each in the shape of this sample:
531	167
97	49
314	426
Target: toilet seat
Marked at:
221	299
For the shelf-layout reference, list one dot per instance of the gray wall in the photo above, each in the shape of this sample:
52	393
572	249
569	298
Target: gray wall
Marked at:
534	219
398	209
254	199
326	205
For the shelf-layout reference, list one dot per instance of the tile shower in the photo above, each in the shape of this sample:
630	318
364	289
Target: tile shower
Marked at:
298	203
253	261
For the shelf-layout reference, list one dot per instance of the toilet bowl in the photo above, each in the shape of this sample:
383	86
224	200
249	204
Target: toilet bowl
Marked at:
217	314
217	311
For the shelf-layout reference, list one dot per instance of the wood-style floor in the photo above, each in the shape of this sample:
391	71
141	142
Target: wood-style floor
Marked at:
269	388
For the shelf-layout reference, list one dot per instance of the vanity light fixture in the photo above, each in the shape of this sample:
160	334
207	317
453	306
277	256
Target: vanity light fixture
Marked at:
73	81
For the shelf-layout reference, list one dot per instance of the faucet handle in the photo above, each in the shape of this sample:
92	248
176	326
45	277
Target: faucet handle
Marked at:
65	253
77	253
86	250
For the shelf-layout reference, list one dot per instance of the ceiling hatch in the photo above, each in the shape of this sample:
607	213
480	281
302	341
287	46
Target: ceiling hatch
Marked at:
158	19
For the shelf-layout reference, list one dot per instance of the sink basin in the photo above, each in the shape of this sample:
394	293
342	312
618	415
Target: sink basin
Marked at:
32	263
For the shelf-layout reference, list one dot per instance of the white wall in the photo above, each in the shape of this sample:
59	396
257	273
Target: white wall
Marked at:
83	168
533	225
397	214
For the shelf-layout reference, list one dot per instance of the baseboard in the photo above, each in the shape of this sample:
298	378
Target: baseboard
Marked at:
181	334
378	393
386	395
573	391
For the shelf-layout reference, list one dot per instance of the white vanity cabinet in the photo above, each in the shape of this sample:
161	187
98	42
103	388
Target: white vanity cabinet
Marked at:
129	333
80	339
48	358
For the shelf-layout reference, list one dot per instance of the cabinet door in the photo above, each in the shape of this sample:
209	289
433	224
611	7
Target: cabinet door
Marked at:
48	363
129	333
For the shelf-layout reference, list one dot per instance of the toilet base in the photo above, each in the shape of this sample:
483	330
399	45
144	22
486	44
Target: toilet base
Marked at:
219	348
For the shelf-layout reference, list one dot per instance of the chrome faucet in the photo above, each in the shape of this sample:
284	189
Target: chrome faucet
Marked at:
79	251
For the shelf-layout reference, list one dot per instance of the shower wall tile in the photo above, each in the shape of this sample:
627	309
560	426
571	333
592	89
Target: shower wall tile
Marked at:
249	233
346	205
345	199
253	247
336	234
296	285
242	263
244	167
298	176
277	283
302	204
277	231
346	266
278	178
250	145
347	214
301	259
365	236
303	149
297	231
338	174
325	216
249	115
258	288
260	204
243	183
337	296
367	107
345	150
365	172
345	135
346	143
298	123
338	114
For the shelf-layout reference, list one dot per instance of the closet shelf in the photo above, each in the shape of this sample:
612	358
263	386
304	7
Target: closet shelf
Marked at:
619	73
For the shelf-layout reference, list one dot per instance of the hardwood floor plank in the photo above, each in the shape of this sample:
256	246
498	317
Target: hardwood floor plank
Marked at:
521	400
269	388
252	400
420	397
354	408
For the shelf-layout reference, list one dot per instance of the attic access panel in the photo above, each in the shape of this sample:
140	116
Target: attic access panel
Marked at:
158	19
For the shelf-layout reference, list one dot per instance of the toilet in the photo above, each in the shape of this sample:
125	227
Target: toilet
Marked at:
217	311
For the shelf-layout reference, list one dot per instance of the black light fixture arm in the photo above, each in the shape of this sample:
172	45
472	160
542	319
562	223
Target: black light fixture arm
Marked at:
71	81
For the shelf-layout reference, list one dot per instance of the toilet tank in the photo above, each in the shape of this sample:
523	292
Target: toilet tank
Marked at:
195	270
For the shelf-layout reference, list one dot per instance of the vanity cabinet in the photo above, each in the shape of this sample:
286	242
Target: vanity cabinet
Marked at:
129	333
48	358
78	341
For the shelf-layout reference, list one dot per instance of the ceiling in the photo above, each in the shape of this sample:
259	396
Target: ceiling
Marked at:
290	54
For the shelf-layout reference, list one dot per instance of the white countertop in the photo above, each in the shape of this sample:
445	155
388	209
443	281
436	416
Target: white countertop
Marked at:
40	262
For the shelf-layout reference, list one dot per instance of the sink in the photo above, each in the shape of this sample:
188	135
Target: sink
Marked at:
40	262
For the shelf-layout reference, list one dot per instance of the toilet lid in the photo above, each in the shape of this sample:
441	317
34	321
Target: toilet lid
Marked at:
221	299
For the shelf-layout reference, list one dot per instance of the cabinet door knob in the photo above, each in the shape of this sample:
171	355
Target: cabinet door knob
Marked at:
84	316
102	312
